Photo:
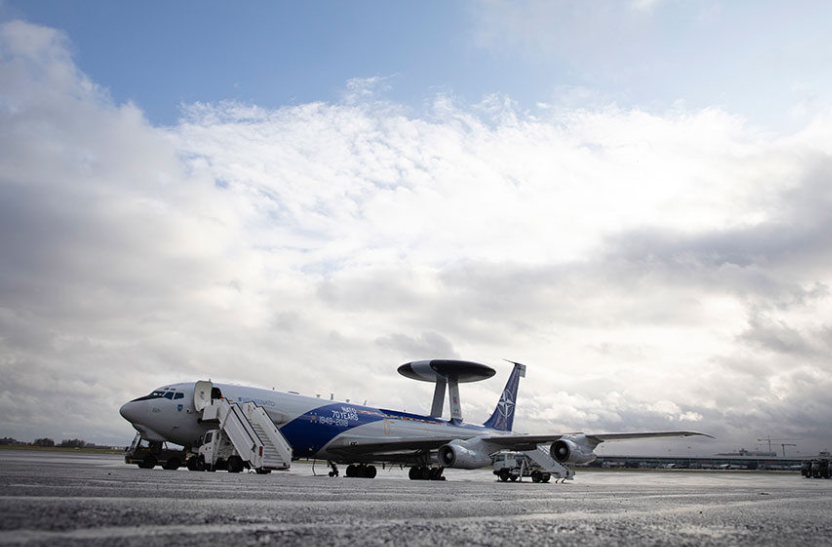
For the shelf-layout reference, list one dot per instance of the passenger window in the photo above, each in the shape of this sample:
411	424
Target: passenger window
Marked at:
169	395
179	396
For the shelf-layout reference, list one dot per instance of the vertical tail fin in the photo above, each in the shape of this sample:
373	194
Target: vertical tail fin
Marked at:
503	417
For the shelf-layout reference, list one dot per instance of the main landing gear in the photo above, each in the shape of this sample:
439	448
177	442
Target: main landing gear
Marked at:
334	472
423	473
361	471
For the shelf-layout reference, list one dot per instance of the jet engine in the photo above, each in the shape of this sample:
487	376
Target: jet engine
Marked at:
573	449
471	454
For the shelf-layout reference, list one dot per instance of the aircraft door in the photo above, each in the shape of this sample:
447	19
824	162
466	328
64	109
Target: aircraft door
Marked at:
202	394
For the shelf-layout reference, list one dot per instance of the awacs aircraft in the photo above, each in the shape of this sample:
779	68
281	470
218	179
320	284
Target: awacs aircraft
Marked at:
360	436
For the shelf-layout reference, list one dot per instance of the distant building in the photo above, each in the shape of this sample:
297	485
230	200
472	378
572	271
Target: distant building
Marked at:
752	453
737	460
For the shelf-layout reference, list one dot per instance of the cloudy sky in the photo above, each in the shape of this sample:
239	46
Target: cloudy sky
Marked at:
634	198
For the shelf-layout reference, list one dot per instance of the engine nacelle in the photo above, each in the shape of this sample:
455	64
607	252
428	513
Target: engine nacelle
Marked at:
471	454
572	449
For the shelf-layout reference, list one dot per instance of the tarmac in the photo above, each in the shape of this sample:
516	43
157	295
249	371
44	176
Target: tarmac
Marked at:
51	498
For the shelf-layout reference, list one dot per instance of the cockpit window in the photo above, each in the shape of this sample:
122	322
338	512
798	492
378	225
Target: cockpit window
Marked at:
179	396
169	395
154	395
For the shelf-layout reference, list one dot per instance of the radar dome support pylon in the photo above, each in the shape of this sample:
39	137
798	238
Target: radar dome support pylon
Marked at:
446	372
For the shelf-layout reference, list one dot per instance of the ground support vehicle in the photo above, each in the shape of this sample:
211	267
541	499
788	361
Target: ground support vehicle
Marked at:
514	466
148	454
217	452
244	438
537	464
818	469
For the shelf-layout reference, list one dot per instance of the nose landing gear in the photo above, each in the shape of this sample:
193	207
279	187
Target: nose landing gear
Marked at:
334	472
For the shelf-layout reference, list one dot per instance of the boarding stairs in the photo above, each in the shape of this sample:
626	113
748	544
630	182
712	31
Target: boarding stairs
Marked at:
254	436
277	454
541	457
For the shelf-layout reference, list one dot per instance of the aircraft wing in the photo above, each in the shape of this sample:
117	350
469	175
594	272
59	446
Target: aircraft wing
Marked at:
403	448
530	442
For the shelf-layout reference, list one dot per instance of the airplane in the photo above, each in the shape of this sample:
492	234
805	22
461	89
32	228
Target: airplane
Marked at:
359	436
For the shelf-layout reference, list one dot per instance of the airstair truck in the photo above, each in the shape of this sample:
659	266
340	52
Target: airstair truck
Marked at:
512	466
245	435
537	464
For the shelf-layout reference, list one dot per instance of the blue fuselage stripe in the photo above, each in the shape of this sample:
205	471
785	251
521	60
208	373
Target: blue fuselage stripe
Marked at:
310	432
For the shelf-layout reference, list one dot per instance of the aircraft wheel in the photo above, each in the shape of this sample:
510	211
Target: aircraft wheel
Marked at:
370	472
436	473
546	477
536	476
352	471
263	471
419	473
235	464
172	464
514	478
504	475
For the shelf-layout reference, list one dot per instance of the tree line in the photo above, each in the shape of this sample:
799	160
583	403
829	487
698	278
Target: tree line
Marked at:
46	442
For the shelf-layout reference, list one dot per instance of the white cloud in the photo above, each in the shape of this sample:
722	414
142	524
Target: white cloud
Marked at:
654	269
364	89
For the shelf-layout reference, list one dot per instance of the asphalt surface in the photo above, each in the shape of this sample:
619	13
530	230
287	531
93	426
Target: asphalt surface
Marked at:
49	498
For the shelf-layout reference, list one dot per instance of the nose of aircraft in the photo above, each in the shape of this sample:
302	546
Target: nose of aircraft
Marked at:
133	411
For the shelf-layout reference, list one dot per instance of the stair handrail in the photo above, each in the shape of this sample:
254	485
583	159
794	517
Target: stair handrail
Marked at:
238	412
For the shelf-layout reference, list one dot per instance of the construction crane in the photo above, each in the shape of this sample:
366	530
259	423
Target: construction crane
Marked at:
784	445
782	441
